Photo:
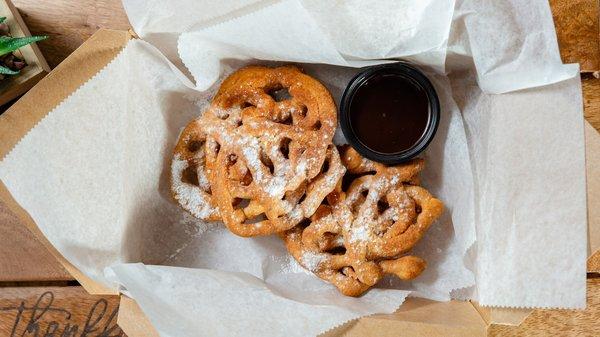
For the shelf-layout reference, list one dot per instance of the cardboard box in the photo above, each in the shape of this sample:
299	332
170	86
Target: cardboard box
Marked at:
416	317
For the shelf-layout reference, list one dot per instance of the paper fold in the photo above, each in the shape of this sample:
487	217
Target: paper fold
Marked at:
513	44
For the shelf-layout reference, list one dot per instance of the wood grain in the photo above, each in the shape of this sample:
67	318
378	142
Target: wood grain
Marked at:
591	99
23	257
593	263
57	311
133	320
69	22
558	322
577	27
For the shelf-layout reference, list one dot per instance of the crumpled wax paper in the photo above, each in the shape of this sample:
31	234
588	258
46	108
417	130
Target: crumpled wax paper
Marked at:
509	167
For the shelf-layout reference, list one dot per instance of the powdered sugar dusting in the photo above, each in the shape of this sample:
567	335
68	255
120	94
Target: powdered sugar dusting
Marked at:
296	214
334	176
311	260
291	266
193	228
203	182
276	186
359	234
191	197
301	167
250	149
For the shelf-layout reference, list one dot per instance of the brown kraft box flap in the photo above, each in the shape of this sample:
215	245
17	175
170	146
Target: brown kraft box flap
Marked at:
78	68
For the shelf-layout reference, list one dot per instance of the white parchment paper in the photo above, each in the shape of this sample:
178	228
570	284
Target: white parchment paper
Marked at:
531	229
510	167
512	43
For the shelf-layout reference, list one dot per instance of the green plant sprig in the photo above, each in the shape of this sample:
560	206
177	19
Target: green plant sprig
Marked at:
9	44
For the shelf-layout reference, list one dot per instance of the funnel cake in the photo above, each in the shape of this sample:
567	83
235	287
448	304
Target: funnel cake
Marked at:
364	229
262	152
189	181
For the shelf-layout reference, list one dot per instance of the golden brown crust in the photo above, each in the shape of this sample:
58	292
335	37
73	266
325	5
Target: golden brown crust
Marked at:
270	162
364	230
280	147
189	181
265	165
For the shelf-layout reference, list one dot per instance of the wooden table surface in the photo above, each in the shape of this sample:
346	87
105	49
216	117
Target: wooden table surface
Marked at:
30	278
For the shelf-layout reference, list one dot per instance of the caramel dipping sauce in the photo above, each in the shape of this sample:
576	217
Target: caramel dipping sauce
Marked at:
389	113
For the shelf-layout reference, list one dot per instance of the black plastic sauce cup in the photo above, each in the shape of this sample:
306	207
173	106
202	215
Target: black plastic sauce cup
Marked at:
389	113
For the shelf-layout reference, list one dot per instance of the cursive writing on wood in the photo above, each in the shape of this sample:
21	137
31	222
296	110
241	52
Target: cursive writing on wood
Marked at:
44	316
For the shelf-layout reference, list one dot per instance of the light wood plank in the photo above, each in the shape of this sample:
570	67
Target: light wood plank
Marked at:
593	263
69	22
558	322
23	258
57	311
591	100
